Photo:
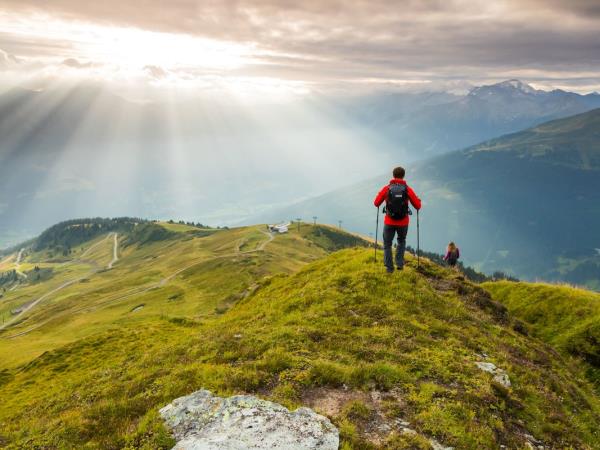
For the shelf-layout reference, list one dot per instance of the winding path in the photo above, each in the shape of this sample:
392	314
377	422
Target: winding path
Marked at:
58	288
35	302
264	244
134	291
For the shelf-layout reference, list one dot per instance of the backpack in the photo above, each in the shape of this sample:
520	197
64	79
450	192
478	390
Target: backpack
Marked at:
396	206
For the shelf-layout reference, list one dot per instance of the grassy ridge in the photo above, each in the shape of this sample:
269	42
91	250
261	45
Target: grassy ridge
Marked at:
187	275
338	328
568	318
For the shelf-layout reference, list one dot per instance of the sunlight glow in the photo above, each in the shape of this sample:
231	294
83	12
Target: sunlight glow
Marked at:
135	49
133	56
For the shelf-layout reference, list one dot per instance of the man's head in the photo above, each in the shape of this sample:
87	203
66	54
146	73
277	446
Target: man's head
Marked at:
399	172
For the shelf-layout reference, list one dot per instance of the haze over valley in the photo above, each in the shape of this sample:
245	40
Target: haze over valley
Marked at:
86	151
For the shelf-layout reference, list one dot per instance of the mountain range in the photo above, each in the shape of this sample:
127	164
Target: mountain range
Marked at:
424	125
525	203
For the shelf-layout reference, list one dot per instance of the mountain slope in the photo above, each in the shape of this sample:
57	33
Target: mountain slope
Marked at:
162	269
378	354
566	317
525	203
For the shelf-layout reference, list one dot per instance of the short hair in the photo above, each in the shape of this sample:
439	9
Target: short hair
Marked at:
399	172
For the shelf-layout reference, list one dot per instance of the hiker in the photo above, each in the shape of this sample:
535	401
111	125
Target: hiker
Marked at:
396	195
452	255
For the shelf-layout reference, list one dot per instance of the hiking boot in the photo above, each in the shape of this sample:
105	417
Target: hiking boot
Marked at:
400	268
389	270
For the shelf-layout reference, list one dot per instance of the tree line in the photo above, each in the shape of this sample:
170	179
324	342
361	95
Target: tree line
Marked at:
63	236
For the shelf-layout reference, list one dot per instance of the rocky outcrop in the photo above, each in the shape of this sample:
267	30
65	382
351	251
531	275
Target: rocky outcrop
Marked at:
202	421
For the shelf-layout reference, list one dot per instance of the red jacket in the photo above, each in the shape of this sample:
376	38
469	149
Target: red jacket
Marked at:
382	196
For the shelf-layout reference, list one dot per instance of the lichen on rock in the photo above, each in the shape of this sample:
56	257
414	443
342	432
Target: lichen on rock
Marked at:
202	421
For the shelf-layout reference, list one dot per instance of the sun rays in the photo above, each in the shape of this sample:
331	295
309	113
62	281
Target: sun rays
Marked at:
138	61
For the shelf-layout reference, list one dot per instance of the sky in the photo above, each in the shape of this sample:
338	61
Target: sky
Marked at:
278	48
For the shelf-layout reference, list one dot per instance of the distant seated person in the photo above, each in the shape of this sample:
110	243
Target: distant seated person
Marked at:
452	255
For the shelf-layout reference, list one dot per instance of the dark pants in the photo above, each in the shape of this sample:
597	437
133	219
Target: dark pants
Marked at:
388	237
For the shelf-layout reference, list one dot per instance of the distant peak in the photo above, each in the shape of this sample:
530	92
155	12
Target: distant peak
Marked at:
517	84
513	84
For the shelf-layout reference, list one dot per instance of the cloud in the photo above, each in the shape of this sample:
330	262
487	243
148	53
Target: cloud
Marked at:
156	72
75	63
337	41
7	60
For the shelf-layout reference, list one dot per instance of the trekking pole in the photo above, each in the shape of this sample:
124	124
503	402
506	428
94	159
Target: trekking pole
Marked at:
376	232
418	242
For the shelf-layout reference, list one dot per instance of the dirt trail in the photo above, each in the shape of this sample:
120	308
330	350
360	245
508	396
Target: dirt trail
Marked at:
142	289
84	254
262	246
55	290
115	252
18	264
35	302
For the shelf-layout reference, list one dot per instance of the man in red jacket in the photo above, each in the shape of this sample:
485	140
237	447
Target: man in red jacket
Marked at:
396	195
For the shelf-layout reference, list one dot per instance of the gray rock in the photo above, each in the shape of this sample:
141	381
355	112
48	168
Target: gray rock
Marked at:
502	378
500	375
202	421
486	366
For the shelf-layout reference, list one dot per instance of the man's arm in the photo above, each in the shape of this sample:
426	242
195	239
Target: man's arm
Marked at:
414	199
380	197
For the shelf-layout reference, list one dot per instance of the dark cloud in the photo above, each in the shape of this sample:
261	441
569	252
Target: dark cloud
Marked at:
585	8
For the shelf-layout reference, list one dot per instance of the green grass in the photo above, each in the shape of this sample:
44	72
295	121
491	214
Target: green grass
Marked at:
217	273
293	325
566	317
178	227
330	238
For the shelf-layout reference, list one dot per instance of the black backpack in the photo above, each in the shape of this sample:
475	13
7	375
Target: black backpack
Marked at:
396	204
